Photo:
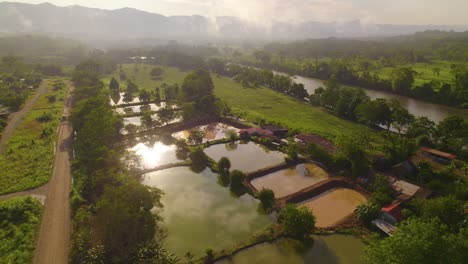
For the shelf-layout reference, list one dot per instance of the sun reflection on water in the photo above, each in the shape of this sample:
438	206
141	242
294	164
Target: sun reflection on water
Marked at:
156	155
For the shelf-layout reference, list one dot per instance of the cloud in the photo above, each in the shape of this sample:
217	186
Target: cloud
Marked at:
268	11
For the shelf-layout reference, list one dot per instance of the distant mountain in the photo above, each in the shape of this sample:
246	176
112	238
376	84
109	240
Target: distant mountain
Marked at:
127	23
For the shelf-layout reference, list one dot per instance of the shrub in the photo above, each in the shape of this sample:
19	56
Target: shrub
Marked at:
367	212
199	160
296	221
267	199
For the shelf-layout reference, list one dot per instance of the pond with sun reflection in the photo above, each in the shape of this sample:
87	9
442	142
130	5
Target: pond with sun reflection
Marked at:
152	155
200	214
140	108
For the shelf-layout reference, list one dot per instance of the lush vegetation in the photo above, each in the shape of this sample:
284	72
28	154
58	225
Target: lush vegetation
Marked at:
26	160
409	66
297	222
19	221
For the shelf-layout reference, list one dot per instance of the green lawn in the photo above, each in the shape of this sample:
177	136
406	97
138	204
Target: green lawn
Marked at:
19	221
424	71
26	161
140	74
262	103
258	103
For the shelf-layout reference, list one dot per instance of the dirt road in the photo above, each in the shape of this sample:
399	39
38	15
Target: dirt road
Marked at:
16	118
53	242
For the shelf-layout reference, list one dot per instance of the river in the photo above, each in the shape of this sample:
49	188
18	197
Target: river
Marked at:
434	112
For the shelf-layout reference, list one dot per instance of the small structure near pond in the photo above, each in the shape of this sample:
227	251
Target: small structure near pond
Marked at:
317	140
256	131
437	155
277	131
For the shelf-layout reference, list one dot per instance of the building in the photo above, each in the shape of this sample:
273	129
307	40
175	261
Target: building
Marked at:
437	155
280	132
392	213
256	131
405	190
317	140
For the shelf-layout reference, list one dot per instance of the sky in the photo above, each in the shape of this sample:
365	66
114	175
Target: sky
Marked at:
438	12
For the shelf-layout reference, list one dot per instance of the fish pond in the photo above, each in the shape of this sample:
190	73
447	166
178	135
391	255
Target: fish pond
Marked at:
334	205
152	155
211	132
326	249
291	180
140	108
200	214
246	157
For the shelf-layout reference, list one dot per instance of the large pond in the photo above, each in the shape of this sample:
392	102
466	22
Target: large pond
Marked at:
139	108
200	214
153	155
136	120
289	181
435	112
330	249
333	205
212	131
246	157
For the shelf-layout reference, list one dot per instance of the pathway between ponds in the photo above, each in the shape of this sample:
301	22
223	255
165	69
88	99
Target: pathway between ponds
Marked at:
53	241
16	118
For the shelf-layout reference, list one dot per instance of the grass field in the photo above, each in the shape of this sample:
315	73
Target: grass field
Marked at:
19	221
140	74
260	103
28	155
425	72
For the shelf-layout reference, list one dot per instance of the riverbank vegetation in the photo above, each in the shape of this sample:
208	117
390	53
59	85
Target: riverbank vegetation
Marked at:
19	222
420	66
27	157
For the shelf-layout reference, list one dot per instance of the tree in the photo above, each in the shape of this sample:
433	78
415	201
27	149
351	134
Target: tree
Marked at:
196	85
267	199
199	159
401	118
114	85
131	87
402	79
398	148
452	133
382	192
355	149
297	222
436	71
374	113
367	212
166	115
144	95
196	137
147	120
422	127
417	241
447	209
156	72
224	164
236	181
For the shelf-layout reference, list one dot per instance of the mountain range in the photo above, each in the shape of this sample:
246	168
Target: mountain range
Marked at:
128	23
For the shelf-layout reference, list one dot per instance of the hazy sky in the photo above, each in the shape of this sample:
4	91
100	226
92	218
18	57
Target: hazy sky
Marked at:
261	11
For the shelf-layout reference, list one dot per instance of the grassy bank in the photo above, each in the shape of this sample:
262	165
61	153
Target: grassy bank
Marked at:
28	155
256	104
19	221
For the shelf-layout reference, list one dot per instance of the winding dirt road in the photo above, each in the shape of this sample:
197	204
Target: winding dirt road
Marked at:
53	242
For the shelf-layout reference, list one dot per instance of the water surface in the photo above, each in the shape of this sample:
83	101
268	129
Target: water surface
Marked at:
212	131
330	249
434	112
333	205
156	154
246	157
289	181
138	108
200	214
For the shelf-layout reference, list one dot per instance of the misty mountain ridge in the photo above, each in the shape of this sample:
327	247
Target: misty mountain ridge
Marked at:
129	23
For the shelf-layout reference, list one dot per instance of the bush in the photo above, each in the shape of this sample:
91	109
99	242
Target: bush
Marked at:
367	212
236	181
297	222
199	160
224	164
267	199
